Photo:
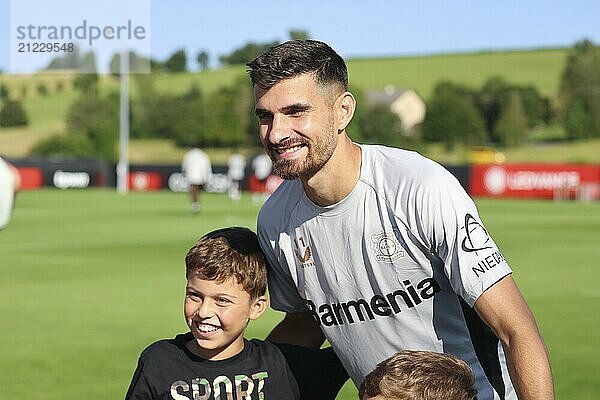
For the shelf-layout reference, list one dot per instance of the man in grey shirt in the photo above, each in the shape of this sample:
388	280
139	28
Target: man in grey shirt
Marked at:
377	248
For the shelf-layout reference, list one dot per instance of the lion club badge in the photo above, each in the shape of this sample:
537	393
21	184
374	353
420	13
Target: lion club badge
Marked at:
386	247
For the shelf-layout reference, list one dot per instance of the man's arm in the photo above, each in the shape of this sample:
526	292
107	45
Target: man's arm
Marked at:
300	329
505	311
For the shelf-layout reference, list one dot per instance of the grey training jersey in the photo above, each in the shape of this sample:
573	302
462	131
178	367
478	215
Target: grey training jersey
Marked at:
397	264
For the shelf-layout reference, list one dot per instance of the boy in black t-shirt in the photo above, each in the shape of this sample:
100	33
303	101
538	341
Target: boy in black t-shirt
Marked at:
226	285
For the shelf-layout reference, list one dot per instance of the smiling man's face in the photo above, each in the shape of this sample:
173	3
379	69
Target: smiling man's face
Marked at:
297	126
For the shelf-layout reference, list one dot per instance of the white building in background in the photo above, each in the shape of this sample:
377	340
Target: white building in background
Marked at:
405	103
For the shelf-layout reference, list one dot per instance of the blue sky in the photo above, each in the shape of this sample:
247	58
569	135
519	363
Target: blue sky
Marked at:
353	28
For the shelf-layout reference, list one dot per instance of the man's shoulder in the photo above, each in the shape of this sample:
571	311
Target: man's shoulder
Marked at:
280	203
390	169
386	159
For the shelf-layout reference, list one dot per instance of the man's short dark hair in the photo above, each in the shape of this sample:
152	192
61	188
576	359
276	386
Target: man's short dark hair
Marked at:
298	57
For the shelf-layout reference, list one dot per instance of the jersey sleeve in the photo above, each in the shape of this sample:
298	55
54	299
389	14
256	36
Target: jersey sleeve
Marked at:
471	259
283	293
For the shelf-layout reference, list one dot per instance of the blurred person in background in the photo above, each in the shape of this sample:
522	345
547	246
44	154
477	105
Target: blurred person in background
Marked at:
419	375
262	168
10	183
236	171
197	170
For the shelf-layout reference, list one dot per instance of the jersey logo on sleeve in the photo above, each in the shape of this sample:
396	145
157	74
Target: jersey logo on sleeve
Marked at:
476	237
386	247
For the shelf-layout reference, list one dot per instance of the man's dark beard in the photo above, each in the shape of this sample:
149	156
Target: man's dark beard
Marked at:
319	152
286	169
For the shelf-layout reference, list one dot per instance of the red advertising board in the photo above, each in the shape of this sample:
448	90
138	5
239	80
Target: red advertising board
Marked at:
268	185
531	180
31	177
143	181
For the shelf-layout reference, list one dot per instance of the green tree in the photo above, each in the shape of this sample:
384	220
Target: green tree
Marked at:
496	93
580	83
13	114
226	120
140	112
202	59
153	114
489	99
77	145
453	118
86	82
537	108
512	124
104	133
95	119
87	63
160	115
577	121
298	34
4	91
177	62
42	89
243	108
223	119
189	128
381	125
74	60
246	53
157	66
136	64
68	60
354	129
92	129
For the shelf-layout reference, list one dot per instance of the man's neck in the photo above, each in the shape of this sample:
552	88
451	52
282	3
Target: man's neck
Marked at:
338	177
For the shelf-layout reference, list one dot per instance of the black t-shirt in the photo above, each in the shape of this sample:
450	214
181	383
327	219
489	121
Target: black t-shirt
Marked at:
168	370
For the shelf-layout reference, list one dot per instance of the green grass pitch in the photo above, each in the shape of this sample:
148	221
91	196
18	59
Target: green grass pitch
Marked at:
89	278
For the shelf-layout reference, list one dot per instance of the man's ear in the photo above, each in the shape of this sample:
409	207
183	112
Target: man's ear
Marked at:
258	307
345	107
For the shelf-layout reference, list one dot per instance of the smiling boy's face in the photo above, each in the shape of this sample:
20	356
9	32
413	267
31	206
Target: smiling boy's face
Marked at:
217	315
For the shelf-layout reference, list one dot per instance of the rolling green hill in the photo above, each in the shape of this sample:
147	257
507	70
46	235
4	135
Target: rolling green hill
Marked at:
540	68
